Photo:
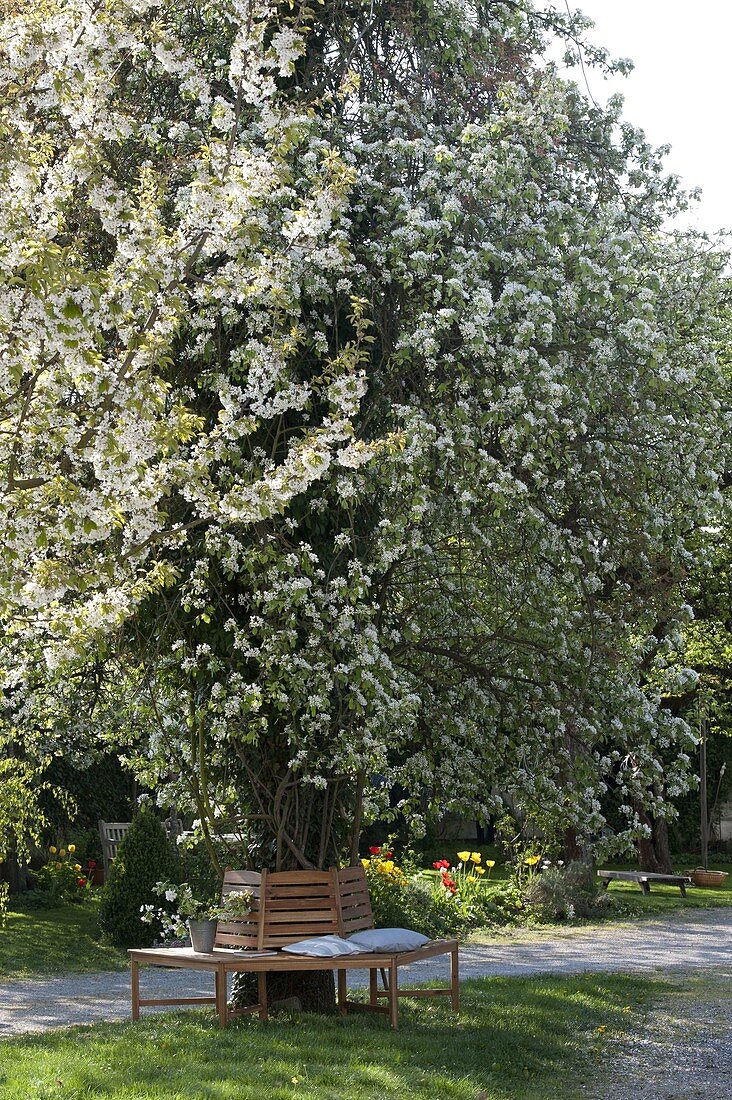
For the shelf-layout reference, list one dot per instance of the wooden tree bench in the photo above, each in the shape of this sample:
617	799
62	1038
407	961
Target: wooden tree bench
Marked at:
644	879
289	906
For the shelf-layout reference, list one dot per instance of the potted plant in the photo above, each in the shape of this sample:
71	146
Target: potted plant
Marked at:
196	917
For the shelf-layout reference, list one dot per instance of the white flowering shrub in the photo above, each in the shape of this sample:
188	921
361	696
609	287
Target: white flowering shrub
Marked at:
358	411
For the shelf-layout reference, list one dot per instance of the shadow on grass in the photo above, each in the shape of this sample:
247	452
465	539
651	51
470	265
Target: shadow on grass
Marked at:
514	1039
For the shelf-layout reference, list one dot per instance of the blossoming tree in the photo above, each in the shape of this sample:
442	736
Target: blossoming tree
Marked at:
357	410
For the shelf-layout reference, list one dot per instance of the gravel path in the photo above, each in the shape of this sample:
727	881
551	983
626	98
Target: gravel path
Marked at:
700	939
681	1051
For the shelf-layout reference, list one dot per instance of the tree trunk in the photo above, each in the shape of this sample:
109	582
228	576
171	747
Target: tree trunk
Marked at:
654	852
301	990
572	850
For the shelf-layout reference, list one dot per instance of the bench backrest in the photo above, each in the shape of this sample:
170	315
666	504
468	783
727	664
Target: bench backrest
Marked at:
294	905
111	834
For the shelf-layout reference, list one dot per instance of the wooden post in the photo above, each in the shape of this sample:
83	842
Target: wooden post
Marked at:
135	984
703	792
373	986
262	907
342	993
262	994
393	995
221	995
454	979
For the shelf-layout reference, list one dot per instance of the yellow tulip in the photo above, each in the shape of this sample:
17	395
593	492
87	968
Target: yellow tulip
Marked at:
72	849
532	860
480	870
475	856
366	862
490	863
463	856
62	853
77	866
53	850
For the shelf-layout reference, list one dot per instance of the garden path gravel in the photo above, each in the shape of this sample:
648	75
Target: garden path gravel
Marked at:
689	941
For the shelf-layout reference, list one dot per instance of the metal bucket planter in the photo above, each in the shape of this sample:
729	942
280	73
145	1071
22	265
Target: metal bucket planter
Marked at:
700	877
203	934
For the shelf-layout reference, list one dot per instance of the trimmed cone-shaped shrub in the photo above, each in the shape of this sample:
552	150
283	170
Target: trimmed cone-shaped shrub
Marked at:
143	858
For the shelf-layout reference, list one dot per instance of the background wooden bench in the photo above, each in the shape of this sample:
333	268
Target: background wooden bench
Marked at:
644	879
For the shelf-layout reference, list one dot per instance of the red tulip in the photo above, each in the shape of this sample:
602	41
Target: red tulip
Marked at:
81	882
92	864
375	849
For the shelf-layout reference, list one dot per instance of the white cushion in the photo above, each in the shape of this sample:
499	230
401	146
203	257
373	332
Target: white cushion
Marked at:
324	947
389	939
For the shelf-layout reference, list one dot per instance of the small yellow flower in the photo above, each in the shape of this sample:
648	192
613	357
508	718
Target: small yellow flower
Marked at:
53	850
490	863
366	862
72	849
387	865
463	856
77	866
601	1028
476	857
532	860
62	853
480	870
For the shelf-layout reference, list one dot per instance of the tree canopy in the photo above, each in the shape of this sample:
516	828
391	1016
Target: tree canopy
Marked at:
358	412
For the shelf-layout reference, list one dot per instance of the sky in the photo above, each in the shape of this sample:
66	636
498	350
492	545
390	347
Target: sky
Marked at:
680	91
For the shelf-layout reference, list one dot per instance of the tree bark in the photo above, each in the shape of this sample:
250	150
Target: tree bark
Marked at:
654	853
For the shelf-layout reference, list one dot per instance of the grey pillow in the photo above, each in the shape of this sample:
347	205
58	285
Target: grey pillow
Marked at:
323	947
389	939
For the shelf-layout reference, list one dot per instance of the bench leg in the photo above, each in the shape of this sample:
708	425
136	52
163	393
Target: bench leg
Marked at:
682	887
135	985
393	996
373	987
645	887
454	980
605	883
342	993
221	996
262	994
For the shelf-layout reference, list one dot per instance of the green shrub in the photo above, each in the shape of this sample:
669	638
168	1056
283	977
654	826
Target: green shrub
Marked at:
88	845
563	893
143	858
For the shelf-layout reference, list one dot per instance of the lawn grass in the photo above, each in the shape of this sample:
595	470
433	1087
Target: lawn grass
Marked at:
43	942
515	1039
